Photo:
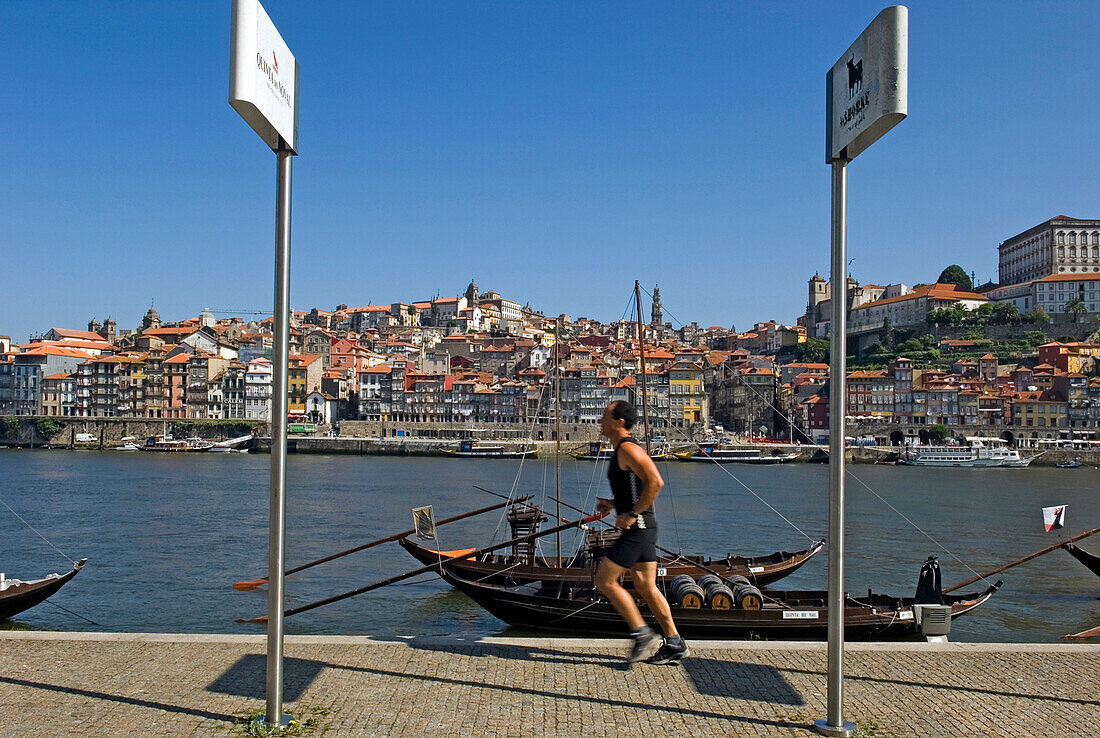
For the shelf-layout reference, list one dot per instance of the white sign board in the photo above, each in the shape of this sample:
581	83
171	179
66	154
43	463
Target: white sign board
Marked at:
263	81
867	90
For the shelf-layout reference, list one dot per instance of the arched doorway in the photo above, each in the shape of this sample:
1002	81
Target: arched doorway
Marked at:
897	438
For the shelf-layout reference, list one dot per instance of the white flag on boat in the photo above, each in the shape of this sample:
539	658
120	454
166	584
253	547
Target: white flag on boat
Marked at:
424	523
1054	517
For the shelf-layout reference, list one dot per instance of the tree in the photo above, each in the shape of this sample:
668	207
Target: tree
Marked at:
889	336
954	274
47	428
1037	315
1005	312
11	427
937	432
1077	307
953	315
813	350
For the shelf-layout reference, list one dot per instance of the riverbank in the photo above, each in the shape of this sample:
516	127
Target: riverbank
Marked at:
409	446
76	684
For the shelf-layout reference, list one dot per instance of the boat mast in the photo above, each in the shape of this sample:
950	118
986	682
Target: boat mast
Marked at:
557	428
641	355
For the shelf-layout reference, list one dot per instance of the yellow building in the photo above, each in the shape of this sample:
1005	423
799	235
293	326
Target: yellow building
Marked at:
303	377
687	399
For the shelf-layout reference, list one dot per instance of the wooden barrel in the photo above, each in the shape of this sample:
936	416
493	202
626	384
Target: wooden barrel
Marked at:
686	593
708	579
717	595
736	579
748	597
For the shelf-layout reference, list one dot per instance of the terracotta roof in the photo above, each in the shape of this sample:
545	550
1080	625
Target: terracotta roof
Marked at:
930	291
50	350
1081	277
83	335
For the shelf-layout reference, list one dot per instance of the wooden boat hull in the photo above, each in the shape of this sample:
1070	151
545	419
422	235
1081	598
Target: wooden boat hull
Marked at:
19	597
786	615
504	570
1089	560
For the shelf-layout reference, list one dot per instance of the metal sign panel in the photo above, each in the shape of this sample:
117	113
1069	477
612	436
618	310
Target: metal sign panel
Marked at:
263	81
867	90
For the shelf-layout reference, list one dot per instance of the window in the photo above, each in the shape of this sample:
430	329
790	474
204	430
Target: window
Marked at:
1072	237
1061	238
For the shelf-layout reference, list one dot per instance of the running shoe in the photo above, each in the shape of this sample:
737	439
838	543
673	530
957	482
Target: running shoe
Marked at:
644	646
669	654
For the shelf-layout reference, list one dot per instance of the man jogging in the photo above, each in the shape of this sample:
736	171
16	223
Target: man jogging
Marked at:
635	483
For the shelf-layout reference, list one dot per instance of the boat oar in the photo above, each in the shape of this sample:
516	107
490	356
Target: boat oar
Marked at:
424	569
253	583
1029	557
517	501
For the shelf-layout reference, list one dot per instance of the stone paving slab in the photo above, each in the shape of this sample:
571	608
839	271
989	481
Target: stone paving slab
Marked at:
108	684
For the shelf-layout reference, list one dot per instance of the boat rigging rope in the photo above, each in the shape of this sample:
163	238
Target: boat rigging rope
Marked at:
727	471
59	607
880	498
670	496
21	518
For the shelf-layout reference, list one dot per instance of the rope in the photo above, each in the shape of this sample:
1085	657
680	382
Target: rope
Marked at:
59	607
866	486
55	548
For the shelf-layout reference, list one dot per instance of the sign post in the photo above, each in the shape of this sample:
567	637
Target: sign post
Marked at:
263	89
866	95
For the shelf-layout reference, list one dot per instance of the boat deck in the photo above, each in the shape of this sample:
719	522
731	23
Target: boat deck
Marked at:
81	684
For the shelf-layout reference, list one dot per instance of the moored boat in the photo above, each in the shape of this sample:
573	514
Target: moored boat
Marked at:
715	453
1073	464
474	449
780	614
510	569
168	443
1089	560
17	595
977	452
596	452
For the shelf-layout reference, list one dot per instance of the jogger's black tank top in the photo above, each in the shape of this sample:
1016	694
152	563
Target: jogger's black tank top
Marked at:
626	488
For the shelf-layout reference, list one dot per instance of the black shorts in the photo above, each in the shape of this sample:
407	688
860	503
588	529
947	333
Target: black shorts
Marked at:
635	546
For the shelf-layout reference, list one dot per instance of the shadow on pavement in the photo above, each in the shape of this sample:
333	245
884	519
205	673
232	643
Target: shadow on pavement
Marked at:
205	714
848	676
248	677
712	677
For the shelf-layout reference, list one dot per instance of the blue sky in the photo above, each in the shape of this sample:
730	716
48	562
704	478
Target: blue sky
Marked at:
554	152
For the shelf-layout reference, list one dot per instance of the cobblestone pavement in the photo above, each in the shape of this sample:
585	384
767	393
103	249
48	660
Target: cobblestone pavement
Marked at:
61	684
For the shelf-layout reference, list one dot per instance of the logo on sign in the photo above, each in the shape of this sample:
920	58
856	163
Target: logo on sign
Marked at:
270	73
855	77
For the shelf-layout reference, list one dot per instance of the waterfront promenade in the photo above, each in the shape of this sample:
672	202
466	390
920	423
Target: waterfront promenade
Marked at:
63	684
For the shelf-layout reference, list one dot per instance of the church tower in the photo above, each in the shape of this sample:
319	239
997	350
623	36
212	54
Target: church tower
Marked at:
655	317
151	319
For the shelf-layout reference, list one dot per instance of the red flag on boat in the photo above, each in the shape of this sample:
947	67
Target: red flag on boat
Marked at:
1054	517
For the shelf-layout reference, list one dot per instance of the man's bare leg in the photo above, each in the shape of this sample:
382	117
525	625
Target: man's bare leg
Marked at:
607	581
645	582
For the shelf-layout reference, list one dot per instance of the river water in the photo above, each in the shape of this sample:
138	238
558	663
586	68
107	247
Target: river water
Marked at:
166	535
